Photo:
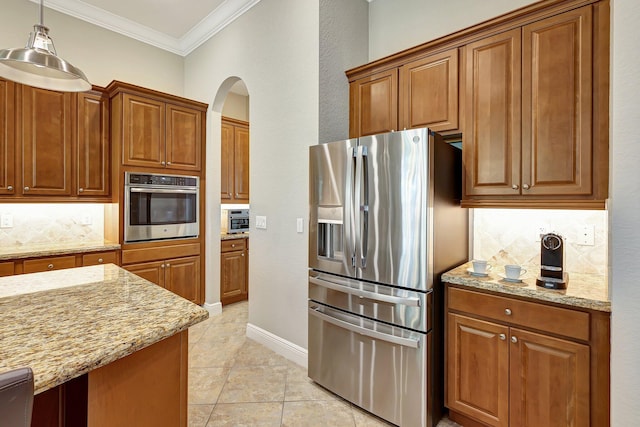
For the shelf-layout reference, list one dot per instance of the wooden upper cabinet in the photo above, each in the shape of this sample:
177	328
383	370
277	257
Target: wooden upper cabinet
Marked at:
557	105
373	104
183	138
7	138
93	153
429	92
226	162
144	123
234	185
491	145
241	163
46	137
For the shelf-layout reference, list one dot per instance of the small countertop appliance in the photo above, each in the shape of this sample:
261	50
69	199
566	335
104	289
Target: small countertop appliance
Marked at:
552	274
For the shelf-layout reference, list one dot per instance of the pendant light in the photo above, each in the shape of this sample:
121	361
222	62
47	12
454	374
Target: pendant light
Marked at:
38	65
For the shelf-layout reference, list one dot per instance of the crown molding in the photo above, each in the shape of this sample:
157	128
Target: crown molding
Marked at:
211	24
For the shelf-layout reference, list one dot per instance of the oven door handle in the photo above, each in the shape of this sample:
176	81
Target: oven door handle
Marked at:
406	342
163	190
411	302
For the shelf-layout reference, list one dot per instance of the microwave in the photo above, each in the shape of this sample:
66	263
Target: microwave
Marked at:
237	221
158	207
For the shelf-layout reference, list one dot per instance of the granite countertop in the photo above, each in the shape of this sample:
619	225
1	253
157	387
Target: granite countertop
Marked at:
51	249
66	323
583	290
225	236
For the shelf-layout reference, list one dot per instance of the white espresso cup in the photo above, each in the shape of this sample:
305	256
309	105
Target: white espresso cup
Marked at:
480	266
513	272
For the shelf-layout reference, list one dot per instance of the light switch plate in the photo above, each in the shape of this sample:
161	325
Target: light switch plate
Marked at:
6	221
299	225
261	222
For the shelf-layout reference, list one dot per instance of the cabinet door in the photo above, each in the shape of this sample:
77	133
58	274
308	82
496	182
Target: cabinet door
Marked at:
7	138
93	155
151	271
182	277
549	381
144	127
226	162
6	268
491	143
557	105
47	141
183	138
233	277
373	104
429	92
241	164
478	369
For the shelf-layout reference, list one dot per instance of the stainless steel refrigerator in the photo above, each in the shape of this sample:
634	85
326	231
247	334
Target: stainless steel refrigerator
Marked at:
385	223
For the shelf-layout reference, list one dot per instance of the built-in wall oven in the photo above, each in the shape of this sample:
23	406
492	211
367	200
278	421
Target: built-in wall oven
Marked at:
160	206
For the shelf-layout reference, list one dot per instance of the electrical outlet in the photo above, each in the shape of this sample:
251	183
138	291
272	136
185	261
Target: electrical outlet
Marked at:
6	221
540	230
261	222
86	220
586	236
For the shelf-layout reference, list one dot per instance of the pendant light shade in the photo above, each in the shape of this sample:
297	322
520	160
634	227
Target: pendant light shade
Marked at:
38	64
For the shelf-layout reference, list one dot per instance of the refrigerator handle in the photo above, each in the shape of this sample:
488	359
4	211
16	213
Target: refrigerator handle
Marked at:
349	206
364	232
357	197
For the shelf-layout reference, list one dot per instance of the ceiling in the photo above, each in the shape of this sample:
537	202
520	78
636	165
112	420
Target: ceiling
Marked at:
178	26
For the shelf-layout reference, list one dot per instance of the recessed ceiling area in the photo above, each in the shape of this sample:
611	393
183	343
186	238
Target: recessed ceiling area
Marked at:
177	26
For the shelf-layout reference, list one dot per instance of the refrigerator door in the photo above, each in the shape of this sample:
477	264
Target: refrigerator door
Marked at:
331	225
392	193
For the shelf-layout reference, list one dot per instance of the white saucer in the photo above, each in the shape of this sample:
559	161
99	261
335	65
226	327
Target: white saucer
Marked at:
506	279
473	273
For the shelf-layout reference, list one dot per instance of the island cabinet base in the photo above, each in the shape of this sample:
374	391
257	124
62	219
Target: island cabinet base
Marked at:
146	388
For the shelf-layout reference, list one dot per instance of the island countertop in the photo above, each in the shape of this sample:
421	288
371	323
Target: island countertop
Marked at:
66	323
583	290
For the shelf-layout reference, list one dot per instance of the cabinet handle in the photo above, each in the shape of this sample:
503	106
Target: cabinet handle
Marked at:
10	187
162	266
100	260
507	311
502	337
514	339
242	254
229	194
80	190
50	266
168	265
163	163
515	186
233	245
26	188
168	163
525	186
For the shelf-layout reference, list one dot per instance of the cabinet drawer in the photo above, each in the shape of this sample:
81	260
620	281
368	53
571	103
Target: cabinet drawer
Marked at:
49	264
233	245
561	321
99	258
6	269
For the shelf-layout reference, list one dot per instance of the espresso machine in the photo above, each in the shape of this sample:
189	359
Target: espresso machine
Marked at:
552	274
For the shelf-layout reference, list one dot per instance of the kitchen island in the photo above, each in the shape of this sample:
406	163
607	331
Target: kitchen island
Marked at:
106	347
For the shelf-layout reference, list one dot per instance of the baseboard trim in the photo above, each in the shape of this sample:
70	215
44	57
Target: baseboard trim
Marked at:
284	348
214	309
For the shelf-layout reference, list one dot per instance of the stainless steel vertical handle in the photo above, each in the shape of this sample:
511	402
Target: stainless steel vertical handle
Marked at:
356	206
364	238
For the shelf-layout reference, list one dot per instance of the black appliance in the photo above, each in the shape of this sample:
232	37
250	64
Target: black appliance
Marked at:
552	274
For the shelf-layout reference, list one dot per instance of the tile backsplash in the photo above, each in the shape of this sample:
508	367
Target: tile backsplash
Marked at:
509	236
47	222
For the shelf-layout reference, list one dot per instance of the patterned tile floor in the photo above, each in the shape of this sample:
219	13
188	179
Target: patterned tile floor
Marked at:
234	381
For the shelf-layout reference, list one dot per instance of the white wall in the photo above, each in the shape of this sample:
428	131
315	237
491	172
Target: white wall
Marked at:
101	54
236	106
395	25
273	48
625	213
343	45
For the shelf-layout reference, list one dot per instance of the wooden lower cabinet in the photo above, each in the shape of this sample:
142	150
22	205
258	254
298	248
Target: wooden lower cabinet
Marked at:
6	268
499	373
49	264
180	275
234	271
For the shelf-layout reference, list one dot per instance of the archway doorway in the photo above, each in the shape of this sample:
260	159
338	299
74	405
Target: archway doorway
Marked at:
234	195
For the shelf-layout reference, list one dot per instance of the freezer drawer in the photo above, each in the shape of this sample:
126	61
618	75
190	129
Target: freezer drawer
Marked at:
402	307
378	367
